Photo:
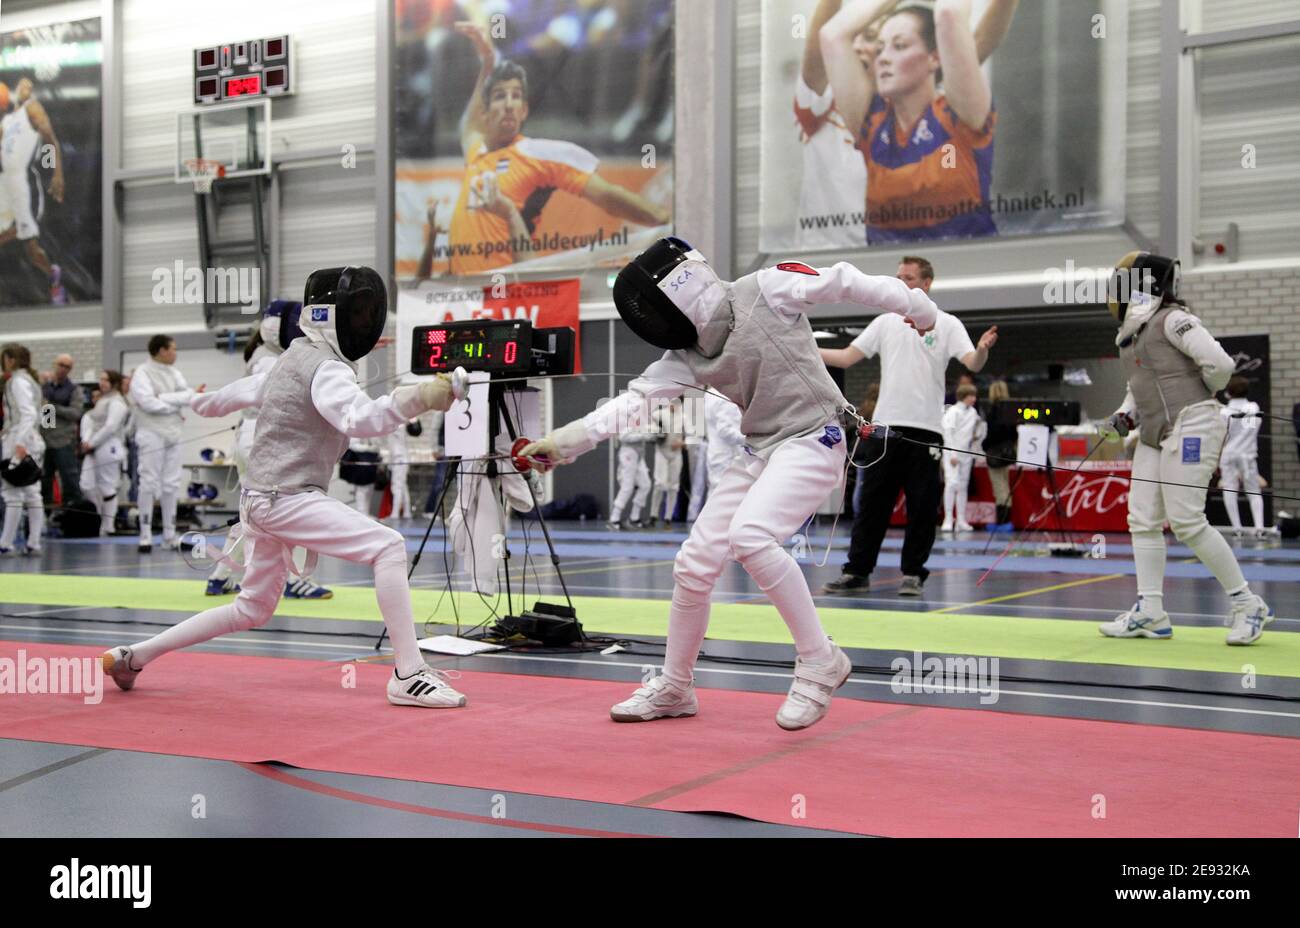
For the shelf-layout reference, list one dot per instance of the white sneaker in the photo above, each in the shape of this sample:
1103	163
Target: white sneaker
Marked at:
428	688
947	526
810	694
117	664
658	699
1138	623
965	527
1248	622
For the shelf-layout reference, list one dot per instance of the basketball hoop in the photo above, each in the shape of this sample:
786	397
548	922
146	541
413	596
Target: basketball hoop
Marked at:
203	171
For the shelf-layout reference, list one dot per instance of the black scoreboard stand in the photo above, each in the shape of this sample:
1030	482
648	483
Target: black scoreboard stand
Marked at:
485	345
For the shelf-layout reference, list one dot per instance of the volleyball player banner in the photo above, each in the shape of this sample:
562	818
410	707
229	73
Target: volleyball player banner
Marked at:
892	123
533	137
51	229
546	304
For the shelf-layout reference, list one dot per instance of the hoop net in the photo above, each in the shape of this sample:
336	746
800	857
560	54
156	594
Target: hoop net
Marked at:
203	171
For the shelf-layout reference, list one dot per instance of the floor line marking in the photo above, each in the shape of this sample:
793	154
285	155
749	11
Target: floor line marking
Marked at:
288	779
1033	592
51	768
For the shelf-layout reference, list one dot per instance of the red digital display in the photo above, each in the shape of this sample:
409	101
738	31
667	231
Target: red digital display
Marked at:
208	58
244	86
496	345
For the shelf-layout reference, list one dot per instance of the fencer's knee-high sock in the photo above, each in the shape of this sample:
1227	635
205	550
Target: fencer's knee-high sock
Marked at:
95	498
209	624
168	505
656	499
1230	504
1216	554
778	575
963	493
144	500
13	514
108	515
1256	511
35	524
1149	559
394	595
688	620
949	500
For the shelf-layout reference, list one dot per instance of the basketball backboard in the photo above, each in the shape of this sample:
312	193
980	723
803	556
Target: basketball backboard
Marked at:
236	134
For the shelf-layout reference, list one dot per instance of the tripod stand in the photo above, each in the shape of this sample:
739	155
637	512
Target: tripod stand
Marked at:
498	413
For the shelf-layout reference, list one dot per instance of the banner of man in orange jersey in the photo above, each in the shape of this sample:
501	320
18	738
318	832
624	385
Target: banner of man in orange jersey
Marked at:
531	136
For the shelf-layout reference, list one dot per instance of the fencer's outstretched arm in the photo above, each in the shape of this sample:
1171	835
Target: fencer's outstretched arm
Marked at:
234	396
630	410
1187	334
794	291
344	405
142	394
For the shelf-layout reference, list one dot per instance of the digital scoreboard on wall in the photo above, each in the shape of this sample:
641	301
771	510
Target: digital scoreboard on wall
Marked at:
239	70
496	346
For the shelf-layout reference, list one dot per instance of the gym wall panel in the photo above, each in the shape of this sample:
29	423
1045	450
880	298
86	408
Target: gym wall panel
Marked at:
334	67
327	218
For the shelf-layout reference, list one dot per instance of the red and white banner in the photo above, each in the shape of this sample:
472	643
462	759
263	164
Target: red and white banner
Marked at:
546	304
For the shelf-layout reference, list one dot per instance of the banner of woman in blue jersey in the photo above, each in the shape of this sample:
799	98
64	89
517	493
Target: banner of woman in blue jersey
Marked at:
51	150
892	122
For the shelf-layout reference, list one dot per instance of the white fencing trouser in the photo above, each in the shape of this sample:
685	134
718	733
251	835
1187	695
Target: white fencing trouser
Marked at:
401	492
101	472
1236	473
160	478
17	499
312	520
956	484
699	452
668	479
1189	455
633	477
718	460
362	498
751	513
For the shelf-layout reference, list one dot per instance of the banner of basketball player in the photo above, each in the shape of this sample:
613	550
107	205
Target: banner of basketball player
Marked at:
895	122
536	139
546	304
50	155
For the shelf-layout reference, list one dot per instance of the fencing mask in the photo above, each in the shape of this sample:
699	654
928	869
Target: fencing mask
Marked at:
272	324
1142	278
666	293
345	308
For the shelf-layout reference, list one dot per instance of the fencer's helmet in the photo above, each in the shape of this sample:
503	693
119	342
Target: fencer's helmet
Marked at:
346	308
272	324
654	293
1143	272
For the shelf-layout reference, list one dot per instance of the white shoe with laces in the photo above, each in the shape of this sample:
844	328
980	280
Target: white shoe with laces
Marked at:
814	685
1248	621
658	699
427	688
1138	622
117	664
965	527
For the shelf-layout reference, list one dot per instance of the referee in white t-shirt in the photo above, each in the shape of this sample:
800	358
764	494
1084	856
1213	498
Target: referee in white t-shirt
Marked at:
912	368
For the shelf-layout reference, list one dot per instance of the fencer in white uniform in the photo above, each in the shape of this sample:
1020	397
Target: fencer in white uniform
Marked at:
669	429
310	403
963	429
21	489
726	441
750	341
1174	368
1239	464
633	477
276	331
697	452
103	447
158	393
398	470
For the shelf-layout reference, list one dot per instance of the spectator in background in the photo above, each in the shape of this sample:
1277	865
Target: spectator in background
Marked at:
912	368
69	404
1239	462
963	432
1000	447
21	447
